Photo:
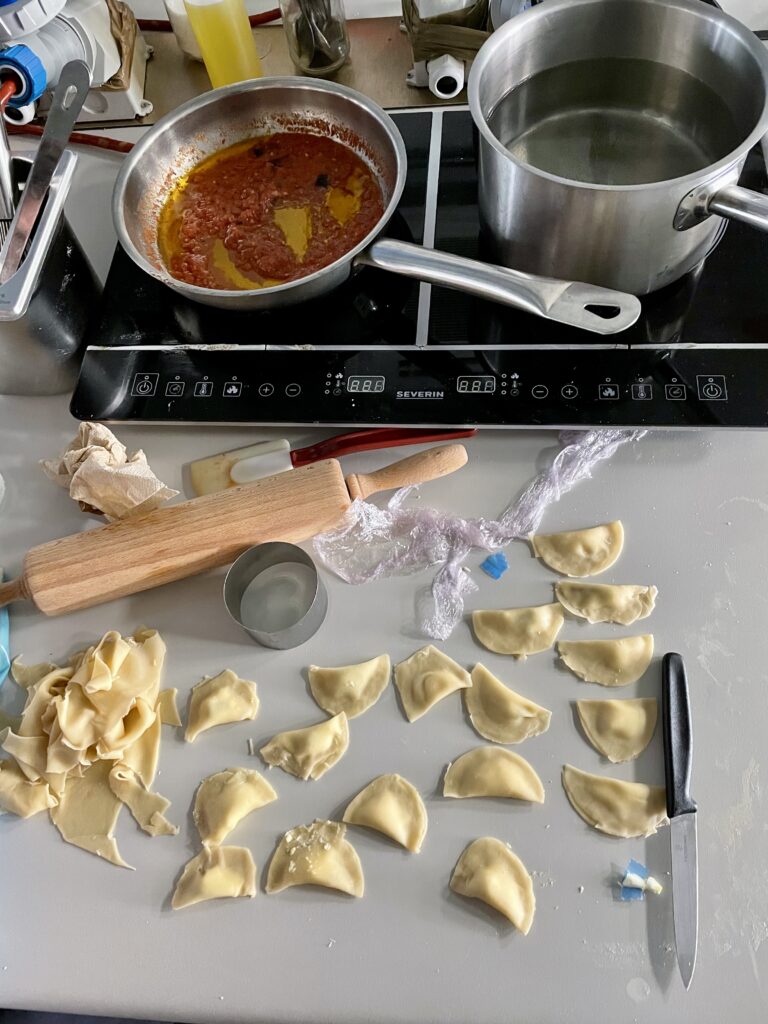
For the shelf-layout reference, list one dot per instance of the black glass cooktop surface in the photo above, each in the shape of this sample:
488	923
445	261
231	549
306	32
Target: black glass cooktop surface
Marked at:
382	349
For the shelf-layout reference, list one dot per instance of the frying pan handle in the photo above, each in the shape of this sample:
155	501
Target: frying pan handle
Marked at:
742	204
587	306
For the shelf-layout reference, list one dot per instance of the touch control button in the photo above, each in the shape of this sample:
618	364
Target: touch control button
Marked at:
293	390
265	390
539	391
569	391
712	389
145	384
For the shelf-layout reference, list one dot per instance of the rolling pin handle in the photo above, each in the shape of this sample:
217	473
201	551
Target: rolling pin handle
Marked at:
14	590
416	469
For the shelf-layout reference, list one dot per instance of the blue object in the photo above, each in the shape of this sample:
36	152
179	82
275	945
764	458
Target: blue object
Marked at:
495	565
30	70
627	892
5	640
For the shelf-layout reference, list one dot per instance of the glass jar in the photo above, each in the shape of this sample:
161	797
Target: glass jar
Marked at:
316	31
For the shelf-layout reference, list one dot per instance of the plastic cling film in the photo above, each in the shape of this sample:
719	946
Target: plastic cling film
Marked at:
398	540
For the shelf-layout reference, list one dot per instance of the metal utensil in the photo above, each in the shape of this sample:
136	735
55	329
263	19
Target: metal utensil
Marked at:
681	810
74	83
7	204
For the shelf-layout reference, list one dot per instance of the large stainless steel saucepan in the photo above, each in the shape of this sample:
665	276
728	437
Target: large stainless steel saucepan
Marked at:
225	116
612	136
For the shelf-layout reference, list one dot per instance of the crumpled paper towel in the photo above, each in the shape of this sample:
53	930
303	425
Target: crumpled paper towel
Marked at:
102	477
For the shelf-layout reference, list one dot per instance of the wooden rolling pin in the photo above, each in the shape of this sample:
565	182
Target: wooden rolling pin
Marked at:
177	541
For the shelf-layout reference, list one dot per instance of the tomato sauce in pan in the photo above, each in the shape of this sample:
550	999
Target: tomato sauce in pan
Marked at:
268	210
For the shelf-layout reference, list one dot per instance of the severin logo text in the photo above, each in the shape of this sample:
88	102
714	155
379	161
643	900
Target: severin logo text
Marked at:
421	394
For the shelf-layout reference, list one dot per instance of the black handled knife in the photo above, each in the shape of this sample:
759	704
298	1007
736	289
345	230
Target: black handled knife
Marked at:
681	811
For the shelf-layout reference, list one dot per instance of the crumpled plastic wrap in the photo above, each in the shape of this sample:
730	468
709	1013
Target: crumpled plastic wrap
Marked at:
103	478
375	543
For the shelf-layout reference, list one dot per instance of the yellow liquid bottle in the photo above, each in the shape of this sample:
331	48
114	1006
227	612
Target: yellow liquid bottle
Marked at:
225	39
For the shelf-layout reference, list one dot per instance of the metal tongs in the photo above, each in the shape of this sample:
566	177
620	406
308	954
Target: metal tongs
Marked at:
68	98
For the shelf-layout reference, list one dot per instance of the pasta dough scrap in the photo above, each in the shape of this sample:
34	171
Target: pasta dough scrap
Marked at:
309	753
498	713
390	804
87	813
27	675
167	708
607	602
493	771
519	631
147	808
224	698
215	873
488	870
619	808
352	688
580	552
225	798
425	678
20	796
618	729
316	854
608	662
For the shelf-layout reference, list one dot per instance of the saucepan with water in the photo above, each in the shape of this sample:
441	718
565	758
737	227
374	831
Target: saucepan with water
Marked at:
613	133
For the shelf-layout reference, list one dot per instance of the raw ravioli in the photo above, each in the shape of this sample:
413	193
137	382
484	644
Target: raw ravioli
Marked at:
351	688
607	602
425	678
619	729
216	872
489	871
493	771
146	807
580	552
622	809
309	753
608	662
500	714
225	798
225	698
390	804
519	631
316	854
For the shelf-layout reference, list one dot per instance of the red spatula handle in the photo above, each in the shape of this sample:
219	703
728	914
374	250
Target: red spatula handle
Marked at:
370	440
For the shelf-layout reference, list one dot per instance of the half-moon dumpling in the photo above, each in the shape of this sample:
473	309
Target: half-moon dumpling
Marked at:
500	714
619	729
216	872
390	804
493	771
316	854
623	809
607	602
518	631
608	662
425	678
351	688
488	870
309	753
225	798
225	698
580	552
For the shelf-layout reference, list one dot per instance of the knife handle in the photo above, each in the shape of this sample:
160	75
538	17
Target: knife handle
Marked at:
678	744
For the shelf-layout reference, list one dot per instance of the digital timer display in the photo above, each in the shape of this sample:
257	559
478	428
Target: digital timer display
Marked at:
365	385
476	385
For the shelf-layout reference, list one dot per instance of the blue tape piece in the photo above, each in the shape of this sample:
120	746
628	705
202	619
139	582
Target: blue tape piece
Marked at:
636	868
495	565
627	892
5	641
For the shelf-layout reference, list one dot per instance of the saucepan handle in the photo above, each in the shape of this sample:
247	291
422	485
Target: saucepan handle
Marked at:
742	204
587	306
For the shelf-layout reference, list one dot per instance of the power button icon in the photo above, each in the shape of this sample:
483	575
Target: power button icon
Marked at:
145	384
712	388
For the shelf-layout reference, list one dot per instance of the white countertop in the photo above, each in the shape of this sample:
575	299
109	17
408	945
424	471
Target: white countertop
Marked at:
80	935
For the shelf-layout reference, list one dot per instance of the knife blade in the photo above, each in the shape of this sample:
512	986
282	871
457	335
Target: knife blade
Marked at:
681	811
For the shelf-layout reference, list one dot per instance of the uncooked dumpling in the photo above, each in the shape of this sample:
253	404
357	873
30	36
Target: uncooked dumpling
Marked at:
580	552
488	870
500	714
225	798
608	662
493	771
619	729
351	688
225	698
425	678
619	808
518	631
316	854
309	753
216	872
607	602
390	804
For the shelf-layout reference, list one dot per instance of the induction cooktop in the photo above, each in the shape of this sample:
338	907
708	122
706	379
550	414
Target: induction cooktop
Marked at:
386	350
